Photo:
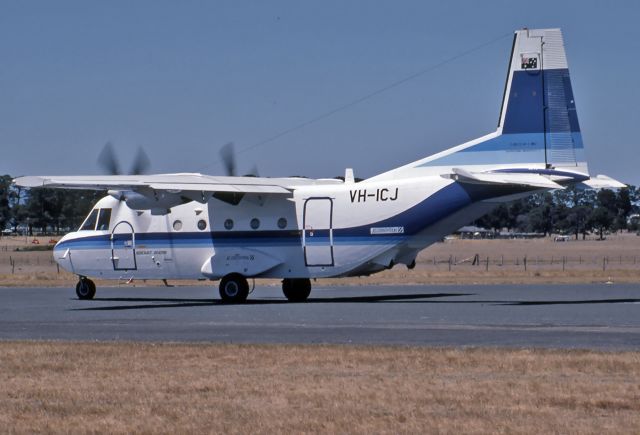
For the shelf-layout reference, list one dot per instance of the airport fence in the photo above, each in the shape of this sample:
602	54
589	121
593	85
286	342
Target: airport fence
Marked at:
602	262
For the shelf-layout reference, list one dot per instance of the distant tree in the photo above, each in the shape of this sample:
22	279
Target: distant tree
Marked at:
634	197
516	210
5	193
12	203
541	215
624	206
607	198
601	219
497	219
578	205
560	222
577	220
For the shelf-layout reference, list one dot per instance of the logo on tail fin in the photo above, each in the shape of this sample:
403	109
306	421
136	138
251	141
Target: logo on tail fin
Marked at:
529	61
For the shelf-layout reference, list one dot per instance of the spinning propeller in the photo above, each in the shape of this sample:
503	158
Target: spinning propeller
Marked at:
228	157
109	162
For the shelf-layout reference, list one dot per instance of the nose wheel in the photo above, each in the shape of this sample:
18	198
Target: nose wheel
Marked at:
296	289
85	289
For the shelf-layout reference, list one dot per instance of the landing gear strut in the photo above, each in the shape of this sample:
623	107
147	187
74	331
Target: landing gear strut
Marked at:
234	288
296	289
85	289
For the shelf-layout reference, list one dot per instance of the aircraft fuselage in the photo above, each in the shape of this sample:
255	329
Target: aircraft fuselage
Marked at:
317	231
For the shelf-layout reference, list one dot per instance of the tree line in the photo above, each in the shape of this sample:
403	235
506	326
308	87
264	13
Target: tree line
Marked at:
571	211
52	211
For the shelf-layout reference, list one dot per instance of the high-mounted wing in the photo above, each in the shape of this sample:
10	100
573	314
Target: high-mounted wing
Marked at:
167	182
162	191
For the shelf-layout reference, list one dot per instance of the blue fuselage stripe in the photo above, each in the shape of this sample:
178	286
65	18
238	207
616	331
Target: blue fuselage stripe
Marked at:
413	220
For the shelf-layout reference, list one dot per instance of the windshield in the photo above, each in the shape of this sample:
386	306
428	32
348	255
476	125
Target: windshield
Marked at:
90	222
103	219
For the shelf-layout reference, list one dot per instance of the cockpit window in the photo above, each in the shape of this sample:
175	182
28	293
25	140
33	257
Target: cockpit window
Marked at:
103	219
90	222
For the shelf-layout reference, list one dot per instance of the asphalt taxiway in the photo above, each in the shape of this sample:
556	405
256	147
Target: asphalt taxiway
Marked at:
595	316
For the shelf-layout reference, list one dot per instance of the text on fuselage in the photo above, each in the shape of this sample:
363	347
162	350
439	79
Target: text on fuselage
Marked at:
364	195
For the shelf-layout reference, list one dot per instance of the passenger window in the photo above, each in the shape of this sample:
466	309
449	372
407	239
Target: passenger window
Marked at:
255	223
89	223
104	219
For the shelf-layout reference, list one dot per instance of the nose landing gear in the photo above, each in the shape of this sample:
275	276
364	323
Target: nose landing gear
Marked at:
85	289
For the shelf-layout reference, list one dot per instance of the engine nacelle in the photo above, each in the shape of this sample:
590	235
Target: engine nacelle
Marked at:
159	202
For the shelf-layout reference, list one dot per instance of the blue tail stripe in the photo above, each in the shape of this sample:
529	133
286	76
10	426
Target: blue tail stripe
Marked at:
526	106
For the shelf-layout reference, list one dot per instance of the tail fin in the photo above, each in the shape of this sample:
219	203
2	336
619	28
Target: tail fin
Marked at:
538	126
538	98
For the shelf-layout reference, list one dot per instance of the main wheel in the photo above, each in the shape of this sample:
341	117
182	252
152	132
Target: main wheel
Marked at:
85	289
296	289
234	288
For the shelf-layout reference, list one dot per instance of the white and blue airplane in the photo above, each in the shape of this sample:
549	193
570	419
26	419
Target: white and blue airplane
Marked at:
194	226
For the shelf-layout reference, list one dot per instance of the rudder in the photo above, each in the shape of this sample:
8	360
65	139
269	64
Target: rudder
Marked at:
538	101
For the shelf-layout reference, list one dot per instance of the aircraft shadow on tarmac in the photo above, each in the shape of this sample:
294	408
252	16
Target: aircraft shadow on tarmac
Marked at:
578	302
147	303
144	303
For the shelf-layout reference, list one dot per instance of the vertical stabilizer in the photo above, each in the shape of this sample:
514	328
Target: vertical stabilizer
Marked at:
538	127
538	100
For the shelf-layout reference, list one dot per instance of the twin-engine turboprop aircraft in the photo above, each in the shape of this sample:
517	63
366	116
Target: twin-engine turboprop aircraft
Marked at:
194	226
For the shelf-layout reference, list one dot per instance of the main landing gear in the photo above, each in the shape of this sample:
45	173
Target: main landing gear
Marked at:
85	289
296	289
234	289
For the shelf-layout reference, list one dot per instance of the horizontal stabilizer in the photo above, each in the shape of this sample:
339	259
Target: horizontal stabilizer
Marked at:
602	182
519	179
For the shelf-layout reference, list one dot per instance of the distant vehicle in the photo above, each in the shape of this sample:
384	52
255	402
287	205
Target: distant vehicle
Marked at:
561	238
194	226
7	232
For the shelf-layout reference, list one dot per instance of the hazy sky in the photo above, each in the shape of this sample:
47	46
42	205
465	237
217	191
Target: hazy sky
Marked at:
182	78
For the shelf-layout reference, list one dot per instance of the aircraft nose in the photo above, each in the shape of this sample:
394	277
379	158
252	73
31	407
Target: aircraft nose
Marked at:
62	253
60	243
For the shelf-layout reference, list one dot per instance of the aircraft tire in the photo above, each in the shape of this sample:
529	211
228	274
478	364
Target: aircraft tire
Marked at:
85	289
234	288
296	289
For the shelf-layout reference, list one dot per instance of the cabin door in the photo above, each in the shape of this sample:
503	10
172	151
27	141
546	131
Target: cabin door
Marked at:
123	247
317	236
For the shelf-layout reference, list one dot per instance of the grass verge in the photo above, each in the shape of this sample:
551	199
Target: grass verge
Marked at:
168	388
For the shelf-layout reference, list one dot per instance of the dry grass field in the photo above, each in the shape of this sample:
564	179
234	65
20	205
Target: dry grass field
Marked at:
199	388
534	261
65	387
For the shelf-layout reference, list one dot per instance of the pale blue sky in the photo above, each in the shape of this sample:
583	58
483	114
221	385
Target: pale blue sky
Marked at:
182	78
